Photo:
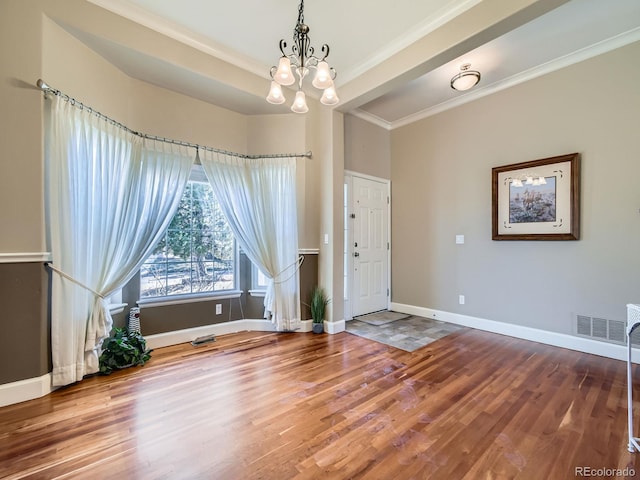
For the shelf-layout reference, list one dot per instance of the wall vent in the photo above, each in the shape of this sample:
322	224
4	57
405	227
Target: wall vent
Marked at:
606	330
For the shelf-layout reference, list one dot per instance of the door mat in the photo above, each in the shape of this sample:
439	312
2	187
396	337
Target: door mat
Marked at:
381	318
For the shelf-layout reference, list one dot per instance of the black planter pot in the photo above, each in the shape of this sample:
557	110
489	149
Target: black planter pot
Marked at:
317	327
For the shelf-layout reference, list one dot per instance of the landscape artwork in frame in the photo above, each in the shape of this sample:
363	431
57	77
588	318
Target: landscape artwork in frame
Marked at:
537	200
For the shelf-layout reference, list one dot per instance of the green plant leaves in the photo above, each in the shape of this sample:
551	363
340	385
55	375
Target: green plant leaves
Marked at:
124	349
319	302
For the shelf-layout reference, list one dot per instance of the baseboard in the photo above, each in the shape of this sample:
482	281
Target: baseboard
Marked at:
585	345
335	326
187	335
306	326
23	390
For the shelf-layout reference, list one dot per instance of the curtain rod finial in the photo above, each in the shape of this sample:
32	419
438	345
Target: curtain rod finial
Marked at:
42	85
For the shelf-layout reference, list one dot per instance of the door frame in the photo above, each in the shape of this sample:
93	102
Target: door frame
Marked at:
348	248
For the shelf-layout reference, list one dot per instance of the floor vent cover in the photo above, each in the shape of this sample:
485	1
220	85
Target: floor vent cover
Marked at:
612	331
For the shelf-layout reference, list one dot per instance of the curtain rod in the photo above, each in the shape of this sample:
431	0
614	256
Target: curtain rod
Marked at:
42	85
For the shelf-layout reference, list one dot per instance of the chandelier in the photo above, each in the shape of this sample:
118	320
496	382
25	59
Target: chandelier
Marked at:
301	60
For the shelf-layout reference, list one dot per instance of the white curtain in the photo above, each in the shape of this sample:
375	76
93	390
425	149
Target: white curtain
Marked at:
110	197
258	198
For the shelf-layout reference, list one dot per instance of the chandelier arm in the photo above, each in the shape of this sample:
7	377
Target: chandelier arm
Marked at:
325	50
283	45
295	53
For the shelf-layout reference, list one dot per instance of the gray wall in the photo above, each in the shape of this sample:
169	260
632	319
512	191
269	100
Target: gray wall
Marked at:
25	338
441	173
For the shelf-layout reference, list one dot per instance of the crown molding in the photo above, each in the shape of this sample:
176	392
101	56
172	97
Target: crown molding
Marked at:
586	53
183	35
431	23
371	118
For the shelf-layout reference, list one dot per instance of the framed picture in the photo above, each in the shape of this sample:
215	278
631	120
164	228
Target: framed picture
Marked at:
537	200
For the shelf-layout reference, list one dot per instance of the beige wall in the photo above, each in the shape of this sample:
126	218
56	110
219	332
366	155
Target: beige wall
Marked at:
328	144
441	173
367	149
20	128
287	133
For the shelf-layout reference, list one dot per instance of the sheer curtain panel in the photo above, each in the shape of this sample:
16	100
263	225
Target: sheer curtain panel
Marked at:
110	197
258	197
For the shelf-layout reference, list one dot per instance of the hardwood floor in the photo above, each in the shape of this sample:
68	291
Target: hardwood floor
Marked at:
278	406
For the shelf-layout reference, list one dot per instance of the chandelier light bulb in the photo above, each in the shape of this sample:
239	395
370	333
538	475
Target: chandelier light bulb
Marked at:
275	94
323	78
329	96
284	75
300	103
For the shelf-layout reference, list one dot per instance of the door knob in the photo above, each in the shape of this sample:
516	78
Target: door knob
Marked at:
356	254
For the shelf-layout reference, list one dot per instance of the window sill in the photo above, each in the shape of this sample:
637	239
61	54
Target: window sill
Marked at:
257	293
115	308
179	299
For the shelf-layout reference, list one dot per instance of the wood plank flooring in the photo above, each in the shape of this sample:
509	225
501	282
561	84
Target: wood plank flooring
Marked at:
473	405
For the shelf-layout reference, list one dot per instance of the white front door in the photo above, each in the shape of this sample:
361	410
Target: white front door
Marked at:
370	247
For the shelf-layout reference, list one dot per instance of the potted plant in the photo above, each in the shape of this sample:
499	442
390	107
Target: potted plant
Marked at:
124	349
318	306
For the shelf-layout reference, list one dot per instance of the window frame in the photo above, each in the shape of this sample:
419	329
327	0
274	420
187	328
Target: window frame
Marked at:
198	175
257	290
115	303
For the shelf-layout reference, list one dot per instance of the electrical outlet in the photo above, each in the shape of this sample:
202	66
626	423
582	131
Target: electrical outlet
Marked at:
461	299
218	309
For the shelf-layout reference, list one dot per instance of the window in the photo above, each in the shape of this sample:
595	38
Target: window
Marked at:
198	253
259	282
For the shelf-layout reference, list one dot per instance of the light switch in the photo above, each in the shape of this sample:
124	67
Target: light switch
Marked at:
459	239
326	239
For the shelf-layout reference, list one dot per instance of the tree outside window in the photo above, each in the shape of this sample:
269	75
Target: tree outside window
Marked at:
197	254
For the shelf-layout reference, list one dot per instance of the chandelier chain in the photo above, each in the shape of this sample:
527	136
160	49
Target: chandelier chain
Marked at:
301	12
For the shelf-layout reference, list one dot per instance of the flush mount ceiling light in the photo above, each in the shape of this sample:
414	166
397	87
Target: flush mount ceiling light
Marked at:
301	60
466	79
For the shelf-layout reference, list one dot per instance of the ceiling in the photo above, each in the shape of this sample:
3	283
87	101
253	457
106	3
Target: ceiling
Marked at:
361	38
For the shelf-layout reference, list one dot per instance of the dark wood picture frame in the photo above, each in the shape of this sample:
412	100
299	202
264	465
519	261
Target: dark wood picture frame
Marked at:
558	210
